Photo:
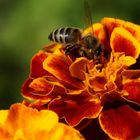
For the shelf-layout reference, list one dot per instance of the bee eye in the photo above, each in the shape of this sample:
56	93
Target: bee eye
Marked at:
86	39
94	41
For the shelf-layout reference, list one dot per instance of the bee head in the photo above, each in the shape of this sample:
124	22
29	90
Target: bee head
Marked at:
90	41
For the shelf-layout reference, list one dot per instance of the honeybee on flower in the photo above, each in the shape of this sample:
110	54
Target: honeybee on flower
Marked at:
77	44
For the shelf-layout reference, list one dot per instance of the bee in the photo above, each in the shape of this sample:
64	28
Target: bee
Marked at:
77	45
66	35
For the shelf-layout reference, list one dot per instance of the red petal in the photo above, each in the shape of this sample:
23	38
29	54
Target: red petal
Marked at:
38	104
123	41
42	89
133	89
75	108
122	123
131	74
41	84
37	69
31	93
58	65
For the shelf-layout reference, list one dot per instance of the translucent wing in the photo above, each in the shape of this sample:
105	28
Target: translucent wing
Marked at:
88	17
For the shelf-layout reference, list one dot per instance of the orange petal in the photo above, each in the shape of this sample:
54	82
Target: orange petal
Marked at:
132	87
118	62
19	114
122	123
58	65
97	83
3	116
76	107
78	68
64	132
24	123
74	92
37	66
123	41
111	23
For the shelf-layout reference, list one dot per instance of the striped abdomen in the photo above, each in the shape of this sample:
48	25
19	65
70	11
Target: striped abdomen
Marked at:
66	35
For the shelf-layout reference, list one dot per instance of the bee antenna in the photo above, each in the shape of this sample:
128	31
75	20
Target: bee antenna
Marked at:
88	16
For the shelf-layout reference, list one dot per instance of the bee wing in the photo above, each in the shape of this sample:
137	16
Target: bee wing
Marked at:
88	16
52	47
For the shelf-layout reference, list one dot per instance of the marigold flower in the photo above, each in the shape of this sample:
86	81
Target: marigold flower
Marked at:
24	123
78	89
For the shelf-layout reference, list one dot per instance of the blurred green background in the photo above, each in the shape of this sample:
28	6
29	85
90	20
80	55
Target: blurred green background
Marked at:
25	25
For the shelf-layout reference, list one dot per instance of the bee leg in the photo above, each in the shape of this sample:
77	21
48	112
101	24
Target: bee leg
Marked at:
82	53
68	48
85	53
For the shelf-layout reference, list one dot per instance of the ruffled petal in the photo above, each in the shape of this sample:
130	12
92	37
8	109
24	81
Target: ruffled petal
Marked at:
118	62
43	117
64	132
41	84
26	91
24	123
76	108
111	23
122	123
31	93
40	88
58	65
97	83
132	89
36	68
123	41
78	68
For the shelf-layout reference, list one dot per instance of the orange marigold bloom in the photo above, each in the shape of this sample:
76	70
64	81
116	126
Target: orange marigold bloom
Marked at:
24	123
87	94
